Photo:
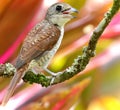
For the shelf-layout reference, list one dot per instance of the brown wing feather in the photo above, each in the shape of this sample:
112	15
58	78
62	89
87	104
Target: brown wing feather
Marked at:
40	39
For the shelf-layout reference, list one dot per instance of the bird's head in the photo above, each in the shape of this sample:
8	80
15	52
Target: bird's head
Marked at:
60	13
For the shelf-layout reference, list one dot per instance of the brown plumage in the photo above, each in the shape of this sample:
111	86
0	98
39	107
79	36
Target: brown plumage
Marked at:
41	43
42	38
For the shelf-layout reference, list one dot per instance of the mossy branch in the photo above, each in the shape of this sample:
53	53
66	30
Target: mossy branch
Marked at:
79	63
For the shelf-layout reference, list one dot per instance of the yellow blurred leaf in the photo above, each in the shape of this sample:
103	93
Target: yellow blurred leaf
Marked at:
105	103
76	3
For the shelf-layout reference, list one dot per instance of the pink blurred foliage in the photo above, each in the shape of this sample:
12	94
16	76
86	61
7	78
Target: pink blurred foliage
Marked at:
112	31
59	105
110	54
23	96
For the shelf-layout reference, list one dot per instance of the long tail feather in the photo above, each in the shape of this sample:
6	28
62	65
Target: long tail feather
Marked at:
11	88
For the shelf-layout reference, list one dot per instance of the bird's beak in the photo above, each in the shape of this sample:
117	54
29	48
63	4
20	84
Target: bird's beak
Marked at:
70	10
73	10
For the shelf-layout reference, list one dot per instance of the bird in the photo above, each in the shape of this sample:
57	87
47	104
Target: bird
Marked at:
41	43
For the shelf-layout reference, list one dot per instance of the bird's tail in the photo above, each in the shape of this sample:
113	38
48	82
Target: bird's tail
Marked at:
11	88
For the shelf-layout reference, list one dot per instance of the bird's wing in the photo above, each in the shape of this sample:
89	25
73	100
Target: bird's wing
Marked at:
40	39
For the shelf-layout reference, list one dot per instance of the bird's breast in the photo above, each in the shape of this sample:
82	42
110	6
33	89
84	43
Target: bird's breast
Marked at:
48	55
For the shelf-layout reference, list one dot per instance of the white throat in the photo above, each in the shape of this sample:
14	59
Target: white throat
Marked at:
60	20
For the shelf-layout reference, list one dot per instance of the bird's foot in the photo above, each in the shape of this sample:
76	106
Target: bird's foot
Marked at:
50	72
53	78
53	74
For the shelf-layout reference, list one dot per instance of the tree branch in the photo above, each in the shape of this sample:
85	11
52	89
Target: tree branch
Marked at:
79	63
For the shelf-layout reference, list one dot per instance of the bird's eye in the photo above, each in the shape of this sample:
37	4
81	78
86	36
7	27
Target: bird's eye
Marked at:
58	8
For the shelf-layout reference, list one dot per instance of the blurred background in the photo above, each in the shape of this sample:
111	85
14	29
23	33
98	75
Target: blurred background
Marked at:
96	88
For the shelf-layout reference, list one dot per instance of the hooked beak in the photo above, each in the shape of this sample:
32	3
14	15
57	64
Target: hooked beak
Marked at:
70	10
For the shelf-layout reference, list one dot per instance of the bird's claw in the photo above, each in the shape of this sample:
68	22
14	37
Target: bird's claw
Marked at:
50	72
54	76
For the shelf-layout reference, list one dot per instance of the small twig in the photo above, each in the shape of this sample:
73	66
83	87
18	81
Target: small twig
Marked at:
80	62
